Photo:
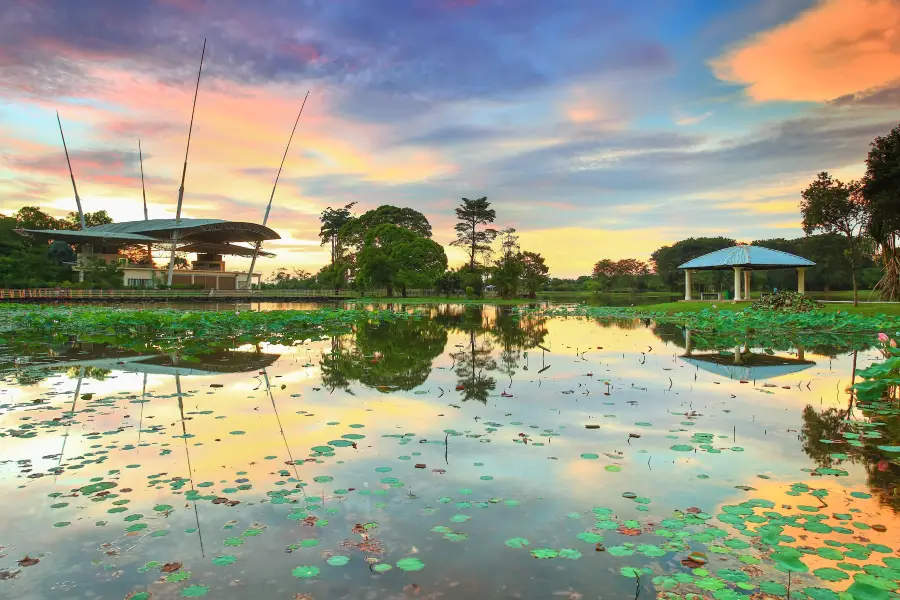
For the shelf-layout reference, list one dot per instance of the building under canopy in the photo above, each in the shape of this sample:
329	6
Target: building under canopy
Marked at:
209	239
745	259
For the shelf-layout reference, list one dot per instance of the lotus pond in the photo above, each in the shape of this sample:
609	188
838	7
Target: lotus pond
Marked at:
447	452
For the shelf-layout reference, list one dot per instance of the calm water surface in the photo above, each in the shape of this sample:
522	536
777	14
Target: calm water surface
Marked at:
468	455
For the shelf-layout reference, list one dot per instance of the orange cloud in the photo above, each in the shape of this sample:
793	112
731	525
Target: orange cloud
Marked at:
836	48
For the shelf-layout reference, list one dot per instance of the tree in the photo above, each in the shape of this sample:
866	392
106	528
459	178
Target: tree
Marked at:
508	268
394	256
450	282
667	259
32	217
471	214
102	274
828	250
332	220
881	191
332	276
297	279
605	268
831	206
73	221
534	272
352	234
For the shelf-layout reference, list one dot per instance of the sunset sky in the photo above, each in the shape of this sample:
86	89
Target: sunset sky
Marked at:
597	128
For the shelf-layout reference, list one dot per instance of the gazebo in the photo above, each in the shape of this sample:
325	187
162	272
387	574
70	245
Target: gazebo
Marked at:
745	258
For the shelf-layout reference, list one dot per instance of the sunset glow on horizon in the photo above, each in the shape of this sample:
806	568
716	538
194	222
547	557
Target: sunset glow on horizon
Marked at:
597	129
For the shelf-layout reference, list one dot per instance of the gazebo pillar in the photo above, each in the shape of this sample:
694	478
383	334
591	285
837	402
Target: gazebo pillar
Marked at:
801	280
747	284
737	283
687	284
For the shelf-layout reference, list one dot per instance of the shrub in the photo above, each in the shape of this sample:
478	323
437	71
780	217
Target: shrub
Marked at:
794	302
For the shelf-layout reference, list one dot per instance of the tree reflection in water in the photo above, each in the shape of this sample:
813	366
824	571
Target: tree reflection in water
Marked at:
400	355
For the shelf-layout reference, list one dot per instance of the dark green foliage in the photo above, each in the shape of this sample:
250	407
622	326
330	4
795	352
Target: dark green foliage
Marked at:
297	279
103	275
353	232
29	263
534	272
332	276
830	253
449	283
472	281
881	186
392	256
881	191
332	221
667	259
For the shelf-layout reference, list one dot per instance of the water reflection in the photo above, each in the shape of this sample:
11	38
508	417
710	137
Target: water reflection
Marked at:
600	441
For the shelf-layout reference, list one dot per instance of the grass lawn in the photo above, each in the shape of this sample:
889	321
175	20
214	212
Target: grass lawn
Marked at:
862	309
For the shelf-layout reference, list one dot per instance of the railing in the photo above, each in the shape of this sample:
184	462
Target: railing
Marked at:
156	294
88	294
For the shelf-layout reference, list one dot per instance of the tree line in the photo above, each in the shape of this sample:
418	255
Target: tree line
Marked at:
391	248
852	231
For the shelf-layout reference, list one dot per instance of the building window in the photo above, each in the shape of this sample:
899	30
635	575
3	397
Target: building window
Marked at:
139	282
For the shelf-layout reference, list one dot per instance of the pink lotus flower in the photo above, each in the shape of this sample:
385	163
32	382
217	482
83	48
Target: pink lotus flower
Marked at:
882	337
893	344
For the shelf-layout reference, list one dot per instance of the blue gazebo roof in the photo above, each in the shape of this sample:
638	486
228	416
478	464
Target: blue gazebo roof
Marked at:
749	257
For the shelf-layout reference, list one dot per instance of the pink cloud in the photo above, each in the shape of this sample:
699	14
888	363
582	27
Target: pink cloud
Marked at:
307	53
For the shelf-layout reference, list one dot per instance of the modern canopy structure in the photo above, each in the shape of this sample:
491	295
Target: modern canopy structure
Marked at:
745	259
209	239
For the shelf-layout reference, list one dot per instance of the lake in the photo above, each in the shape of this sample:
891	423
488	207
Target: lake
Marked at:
474	453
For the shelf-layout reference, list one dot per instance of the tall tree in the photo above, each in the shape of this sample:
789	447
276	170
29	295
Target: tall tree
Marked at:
534	272
332	220
831	206
881	190
471	215
508	268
